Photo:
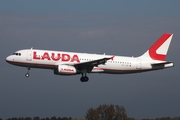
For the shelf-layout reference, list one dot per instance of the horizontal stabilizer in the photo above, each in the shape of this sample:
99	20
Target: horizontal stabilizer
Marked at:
162	65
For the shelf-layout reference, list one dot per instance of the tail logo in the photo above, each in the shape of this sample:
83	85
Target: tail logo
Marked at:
160	43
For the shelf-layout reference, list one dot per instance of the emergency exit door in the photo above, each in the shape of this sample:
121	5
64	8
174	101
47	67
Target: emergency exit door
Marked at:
139	64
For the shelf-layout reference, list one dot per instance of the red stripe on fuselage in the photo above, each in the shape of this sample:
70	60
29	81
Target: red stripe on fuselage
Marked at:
50	66
33	65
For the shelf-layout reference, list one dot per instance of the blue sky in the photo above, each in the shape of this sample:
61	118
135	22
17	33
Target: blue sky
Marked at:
113	27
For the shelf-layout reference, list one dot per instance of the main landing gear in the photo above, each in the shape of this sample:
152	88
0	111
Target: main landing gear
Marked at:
84	78
27	74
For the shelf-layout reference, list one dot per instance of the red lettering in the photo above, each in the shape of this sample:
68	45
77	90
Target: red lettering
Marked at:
65	57
66	69
35	56
56	58
46	56
75	58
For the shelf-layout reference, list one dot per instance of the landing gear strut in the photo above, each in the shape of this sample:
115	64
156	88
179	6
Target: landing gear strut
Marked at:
84	78
27	74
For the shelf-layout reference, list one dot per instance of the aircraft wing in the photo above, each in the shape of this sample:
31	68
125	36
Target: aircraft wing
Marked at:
89	65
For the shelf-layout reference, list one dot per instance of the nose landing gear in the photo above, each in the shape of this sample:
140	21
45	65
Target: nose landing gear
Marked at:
27	74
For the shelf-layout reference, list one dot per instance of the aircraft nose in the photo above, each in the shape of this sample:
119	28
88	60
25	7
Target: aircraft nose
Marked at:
8	59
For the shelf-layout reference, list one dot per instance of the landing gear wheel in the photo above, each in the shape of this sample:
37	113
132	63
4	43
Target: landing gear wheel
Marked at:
27	74
84	79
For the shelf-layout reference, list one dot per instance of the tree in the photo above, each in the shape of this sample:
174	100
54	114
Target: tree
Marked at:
131	118
36	118
106	112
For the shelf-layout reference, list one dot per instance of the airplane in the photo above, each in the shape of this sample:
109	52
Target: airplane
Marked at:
73	63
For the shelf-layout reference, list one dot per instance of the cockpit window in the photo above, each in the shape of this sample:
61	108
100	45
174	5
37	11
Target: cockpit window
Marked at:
17	54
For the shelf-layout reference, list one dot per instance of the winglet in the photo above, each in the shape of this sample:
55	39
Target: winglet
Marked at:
112	58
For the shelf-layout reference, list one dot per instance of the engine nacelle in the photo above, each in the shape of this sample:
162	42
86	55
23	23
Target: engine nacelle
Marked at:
65	70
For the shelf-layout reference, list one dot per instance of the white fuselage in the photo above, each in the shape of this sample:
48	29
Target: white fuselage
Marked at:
46	59
72	63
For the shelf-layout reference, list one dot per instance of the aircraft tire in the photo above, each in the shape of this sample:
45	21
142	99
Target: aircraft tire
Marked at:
84	79
27	75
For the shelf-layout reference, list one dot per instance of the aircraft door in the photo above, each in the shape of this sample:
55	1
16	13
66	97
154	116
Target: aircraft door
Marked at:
29	55
139	64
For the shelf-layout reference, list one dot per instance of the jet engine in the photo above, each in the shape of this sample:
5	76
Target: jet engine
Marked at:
65	70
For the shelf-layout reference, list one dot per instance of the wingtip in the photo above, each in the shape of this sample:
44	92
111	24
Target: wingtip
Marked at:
112	58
